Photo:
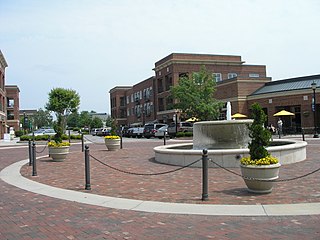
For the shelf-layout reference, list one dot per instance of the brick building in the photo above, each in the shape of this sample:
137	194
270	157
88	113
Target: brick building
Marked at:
294	95
9	102
239	83
149	100
13	103
235	80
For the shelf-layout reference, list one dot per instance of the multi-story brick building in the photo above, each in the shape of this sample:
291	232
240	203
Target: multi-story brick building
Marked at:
13	103
9	102
235	81
239	83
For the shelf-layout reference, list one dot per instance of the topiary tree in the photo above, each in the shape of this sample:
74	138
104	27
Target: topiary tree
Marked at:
259	134
62	102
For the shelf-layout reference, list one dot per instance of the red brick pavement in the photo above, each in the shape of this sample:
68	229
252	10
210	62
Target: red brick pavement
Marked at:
25	215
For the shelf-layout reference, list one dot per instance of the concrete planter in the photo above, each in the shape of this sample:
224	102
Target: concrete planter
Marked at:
112	144
58	154
253	174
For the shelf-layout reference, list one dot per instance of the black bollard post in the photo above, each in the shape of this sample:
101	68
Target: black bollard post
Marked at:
82	143
121	141
34	163
302	131
205	196
87	167
164	137
69	136
30	152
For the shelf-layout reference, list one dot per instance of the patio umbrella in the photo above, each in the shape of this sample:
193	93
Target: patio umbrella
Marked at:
283	113
192	119
238	115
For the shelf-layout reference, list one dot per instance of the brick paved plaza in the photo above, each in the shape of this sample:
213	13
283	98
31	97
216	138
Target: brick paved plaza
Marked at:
27	215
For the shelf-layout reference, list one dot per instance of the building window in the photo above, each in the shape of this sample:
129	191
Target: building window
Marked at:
254	75
232	75
305	98
132	98
159	73
217	77
168	69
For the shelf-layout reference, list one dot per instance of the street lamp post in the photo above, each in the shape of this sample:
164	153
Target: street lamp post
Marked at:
314	87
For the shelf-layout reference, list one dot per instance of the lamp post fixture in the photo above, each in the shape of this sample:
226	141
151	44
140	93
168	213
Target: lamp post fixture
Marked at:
314	104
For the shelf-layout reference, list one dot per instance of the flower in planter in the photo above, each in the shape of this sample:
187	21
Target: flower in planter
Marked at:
112	137
59	144
260	139
263	161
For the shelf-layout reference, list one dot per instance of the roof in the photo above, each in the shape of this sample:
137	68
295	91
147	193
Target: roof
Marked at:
290	84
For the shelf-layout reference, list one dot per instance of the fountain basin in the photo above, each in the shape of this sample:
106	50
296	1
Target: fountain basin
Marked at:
286	150
223	134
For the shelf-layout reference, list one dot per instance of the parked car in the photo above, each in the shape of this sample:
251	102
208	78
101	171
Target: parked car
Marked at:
181	127
104	132
161	131
94	131
137	132
151	128
43	131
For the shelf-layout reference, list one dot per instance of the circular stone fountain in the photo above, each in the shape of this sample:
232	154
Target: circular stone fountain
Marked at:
226	142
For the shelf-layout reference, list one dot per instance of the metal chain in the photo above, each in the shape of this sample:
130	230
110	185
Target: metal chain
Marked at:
144	174
265	180
42	149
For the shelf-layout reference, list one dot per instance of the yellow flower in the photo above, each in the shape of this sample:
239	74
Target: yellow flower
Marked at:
112	137
62	144
263	161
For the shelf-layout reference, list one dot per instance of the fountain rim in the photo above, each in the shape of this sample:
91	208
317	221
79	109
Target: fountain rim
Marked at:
172	148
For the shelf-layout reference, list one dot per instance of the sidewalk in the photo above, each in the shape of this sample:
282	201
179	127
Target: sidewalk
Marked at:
31	215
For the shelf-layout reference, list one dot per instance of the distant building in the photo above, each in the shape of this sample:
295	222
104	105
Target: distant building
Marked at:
9	102
149	99
240	84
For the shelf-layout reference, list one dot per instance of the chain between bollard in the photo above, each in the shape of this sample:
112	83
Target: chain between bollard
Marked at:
144	174
42	149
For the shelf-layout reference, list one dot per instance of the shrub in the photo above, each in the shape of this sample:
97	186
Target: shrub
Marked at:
188	134
180	134
19	133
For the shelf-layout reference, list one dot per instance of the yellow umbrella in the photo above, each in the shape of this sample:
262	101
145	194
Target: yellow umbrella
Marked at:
238	115
192	119
283	113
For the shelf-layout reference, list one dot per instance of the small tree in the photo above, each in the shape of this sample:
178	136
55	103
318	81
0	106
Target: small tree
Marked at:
62	102
195	96
260	139
259	134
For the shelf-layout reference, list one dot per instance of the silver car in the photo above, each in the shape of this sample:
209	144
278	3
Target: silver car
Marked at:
159	133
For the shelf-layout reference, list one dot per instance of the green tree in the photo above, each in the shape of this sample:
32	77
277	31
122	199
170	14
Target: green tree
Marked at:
84	119
260	136
62	102
96	123
42	118
73	120
194	96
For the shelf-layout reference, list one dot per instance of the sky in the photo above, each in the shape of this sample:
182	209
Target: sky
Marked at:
91	46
